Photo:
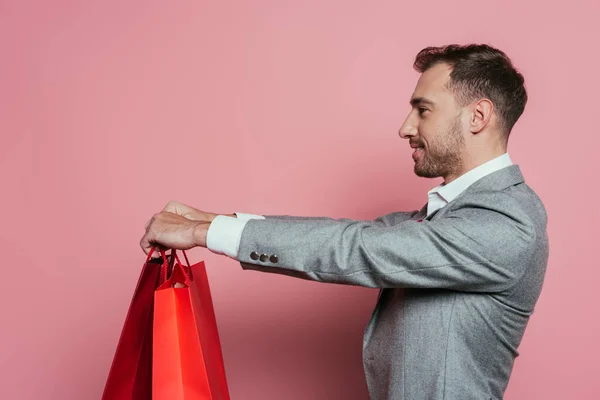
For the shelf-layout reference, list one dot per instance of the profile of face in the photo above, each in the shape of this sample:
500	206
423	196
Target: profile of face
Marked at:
434	126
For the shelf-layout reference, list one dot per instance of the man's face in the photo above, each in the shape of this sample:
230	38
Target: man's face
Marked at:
434	126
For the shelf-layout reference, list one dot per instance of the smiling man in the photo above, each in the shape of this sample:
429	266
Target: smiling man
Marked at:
458	278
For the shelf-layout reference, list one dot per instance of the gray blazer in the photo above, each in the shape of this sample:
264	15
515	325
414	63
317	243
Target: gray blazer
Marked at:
457	289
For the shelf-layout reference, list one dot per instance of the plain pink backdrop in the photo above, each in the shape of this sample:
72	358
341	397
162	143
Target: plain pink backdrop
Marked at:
110	109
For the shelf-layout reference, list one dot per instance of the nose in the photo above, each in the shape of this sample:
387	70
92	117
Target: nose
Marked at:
408	128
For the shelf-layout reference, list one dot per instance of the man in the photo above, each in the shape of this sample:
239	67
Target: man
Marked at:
458	278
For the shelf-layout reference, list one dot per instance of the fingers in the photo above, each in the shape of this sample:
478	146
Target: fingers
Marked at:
170	229
146	243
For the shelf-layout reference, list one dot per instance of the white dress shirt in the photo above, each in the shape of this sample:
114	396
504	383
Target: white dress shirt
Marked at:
225	233
443	194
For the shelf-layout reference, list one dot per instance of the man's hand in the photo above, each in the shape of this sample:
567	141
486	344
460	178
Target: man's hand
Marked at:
171	231
177	226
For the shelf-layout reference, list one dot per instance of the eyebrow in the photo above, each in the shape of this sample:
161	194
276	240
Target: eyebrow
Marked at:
421	100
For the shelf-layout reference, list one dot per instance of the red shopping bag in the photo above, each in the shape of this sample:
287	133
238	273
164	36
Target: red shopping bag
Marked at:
187	358
130	376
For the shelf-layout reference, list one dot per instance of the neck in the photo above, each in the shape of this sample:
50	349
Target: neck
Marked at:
473	159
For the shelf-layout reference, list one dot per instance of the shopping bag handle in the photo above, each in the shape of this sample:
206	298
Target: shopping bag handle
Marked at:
174	273
164	256
174	252
168	265
162	253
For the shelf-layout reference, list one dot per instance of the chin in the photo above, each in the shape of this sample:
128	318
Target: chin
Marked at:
425	173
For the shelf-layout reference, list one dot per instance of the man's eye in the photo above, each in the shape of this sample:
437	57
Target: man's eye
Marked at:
422	110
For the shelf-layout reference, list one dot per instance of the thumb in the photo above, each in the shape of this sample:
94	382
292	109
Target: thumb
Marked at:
185	211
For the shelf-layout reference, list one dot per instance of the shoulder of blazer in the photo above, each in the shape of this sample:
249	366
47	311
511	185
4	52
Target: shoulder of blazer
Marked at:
498	180
488	191
494	182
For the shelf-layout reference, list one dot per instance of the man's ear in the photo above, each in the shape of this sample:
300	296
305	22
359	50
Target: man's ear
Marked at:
481	114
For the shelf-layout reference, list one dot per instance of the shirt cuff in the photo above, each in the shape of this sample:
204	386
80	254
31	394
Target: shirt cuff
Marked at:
224	235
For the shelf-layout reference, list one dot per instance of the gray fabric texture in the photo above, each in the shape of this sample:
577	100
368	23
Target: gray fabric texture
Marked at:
456	290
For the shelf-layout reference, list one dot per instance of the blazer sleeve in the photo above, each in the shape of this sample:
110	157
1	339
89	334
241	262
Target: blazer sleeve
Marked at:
384	220
481	244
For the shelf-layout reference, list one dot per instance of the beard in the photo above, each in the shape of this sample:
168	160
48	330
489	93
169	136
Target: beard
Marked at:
443	156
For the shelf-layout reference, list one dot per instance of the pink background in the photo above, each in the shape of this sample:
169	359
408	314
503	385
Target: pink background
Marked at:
110	109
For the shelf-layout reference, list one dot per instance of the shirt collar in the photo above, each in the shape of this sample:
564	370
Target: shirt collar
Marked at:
444	194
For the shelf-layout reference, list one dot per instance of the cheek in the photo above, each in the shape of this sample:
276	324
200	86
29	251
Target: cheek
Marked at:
426	134
429	128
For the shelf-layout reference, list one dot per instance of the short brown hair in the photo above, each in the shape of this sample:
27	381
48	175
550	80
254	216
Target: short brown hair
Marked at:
480	71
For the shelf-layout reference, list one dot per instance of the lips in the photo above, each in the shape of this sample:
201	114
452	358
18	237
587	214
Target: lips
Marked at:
417	153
